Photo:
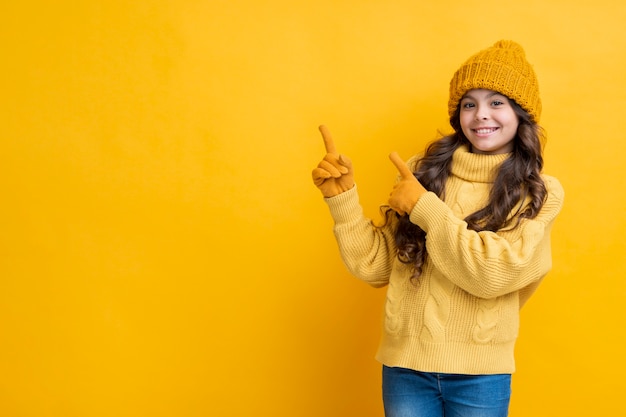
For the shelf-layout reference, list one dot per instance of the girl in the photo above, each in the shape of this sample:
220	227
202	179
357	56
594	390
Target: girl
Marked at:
465	243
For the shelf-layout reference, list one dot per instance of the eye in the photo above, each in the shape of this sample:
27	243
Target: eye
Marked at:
467	105
497	103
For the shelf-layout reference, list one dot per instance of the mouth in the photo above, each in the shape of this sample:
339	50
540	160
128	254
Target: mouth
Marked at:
485	130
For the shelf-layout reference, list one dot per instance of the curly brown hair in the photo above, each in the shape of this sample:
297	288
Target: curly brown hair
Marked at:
519	179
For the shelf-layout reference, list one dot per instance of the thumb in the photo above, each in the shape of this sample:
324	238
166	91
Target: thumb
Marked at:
400	165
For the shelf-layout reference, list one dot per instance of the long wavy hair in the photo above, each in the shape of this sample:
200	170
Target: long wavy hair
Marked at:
518	191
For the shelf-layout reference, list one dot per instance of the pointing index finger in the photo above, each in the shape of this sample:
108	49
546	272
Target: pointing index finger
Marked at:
402	167
329	144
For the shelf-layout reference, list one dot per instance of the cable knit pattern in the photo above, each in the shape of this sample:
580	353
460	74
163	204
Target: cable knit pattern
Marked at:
486	320
393	306
462	314
437	310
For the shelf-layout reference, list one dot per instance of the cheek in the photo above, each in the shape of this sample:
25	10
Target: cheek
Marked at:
514	124
511	131
464	120
513	120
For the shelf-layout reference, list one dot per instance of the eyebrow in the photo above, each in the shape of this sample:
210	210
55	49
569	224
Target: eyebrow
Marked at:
493	93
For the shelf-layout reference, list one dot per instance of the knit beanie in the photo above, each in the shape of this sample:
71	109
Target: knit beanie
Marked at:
502	68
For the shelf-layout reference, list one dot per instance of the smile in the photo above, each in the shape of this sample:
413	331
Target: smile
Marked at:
485	131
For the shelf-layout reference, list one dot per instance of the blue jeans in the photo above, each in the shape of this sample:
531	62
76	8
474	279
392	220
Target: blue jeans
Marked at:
408	393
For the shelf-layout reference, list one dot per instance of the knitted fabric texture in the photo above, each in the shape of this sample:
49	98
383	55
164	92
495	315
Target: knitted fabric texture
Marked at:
462	315
503	68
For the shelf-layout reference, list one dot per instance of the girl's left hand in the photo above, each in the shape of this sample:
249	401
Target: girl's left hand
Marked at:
407	190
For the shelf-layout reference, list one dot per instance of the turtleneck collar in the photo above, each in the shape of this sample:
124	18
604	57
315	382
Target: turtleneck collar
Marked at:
476	167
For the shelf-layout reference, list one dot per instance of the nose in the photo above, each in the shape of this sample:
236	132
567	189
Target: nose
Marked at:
482	113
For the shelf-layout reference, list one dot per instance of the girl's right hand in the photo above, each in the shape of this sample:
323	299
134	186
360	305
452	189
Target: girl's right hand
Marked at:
334	174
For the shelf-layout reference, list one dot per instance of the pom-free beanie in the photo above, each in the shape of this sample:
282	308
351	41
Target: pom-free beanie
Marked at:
503	68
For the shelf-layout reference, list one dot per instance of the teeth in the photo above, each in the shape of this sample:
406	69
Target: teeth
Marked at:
485	131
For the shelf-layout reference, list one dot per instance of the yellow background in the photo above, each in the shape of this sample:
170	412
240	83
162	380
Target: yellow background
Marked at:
164	253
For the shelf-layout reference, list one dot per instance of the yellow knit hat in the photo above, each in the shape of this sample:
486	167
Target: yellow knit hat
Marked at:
502	68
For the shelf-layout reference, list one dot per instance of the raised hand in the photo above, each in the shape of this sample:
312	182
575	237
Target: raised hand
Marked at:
334	174
407	190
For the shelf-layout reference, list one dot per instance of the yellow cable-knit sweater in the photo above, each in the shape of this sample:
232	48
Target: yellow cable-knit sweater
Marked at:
462	314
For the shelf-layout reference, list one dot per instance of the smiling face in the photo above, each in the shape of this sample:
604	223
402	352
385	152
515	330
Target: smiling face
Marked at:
488	121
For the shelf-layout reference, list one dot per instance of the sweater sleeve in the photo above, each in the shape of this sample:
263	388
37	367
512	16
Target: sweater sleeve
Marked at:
489	264
367	251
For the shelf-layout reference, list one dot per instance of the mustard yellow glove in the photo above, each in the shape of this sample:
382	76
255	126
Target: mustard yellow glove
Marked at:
334	174
407	190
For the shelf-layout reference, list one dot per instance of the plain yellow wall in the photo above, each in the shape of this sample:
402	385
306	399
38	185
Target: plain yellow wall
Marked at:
164	253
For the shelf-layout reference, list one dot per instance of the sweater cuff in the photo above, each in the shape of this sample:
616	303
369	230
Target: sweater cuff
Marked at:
429	210
344	206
